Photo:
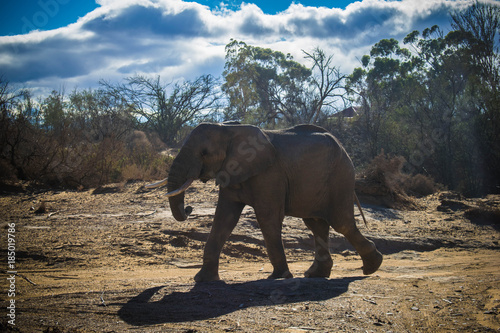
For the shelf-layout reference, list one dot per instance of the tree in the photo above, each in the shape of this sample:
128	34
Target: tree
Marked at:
476	30
438	104
382	88
463	83
328	83
99	115
14	129
165	109
264	87
268	88
53	111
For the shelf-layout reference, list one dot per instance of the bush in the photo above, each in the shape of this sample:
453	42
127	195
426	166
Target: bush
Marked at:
420	185
386	172
70	159
131	158
384	183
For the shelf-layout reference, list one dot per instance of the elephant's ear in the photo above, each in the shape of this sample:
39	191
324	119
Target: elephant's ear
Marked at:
249	152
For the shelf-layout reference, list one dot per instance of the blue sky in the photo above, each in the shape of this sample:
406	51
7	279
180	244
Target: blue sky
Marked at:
54	44
20	17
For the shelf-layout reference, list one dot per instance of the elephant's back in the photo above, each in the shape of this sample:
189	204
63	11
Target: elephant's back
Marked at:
307	128
307	141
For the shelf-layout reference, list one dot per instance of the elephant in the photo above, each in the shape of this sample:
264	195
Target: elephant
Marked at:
301	171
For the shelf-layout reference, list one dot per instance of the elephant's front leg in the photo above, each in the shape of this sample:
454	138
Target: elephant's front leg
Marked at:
270	223
227	215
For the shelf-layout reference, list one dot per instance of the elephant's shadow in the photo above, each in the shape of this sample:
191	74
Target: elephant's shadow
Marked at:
211	300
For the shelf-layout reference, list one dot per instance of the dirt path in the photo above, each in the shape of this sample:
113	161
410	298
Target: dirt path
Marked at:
114	260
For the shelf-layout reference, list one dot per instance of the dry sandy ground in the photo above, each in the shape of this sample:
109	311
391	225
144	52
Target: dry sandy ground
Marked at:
114	260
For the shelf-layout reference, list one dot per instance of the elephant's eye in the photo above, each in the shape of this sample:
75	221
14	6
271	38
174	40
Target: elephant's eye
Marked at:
204	153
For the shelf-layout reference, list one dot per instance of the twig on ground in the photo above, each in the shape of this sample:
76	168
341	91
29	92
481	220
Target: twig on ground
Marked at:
20	275
370	301
144	215
103	303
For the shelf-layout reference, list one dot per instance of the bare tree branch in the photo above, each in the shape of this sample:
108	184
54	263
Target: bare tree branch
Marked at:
167	108
329	82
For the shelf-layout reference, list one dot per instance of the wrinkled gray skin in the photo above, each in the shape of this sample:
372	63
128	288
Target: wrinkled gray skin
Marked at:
302	171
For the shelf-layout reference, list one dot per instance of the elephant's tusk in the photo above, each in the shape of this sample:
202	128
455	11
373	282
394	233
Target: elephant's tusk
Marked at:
157	184
181	189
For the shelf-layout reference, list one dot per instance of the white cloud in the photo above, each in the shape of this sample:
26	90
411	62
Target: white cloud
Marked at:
182	40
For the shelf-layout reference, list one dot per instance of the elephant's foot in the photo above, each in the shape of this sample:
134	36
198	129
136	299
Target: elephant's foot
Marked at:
319	269
206	275
371	262
282	274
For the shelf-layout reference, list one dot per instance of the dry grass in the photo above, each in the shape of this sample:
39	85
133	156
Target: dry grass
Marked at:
384	182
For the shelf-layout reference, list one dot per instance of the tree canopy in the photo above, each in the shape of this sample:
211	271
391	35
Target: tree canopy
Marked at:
436	102
268	88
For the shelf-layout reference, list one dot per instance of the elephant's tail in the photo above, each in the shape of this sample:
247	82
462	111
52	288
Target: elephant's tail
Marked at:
360	210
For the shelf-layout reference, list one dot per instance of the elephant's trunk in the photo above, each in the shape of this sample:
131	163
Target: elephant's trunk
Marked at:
185	168
177	207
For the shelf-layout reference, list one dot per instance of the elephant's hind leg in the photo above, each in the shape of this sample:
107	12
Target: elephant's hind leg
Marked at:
323	263
372	258
345	224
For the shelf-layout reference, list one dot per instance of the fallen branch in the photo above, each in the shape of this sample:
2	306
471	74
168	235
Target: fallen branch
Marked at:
53	213
103	303
20	275
370	301
144	214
